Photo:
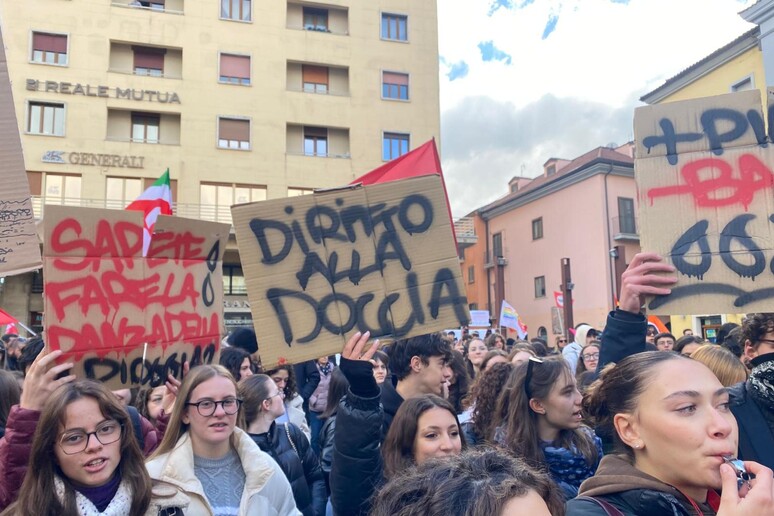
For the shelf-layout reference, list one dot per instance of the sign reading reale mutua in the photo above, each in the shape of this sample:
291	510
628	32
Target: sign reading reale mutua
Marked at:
89	90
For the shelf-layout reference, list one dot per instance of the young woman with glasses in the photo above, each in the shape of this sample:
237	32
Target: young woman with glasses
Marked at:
263	404
539	418
85	460
587	365
211	460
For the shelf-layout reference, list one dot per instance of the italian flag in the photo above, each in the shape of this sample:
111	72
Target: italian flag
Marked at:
155	201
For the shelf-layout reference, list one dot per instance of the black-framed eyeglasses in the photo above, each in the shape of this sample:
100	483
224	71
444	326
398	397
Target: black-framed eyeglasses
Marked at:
528	378
206	408
76	441
591	356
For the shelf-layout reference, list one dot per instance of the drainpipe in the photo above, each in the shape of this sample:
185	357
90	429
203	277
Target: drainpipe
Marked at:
488	269
609	243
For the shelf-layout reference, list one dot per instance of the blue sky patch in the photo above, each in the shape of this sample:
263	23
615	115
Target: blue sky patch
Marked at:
624	2
551	25
509	4
489	52
458	70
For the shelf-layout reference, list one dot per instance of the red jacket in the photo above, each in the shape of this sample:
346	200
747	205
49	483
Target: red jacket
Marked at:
16	445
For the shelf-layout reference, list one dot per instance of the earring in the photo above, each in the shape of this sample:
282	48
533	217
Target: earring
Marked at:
638	445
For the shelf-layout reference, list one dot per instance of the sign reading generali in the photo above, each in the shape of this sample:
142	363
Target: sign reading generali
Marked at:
95	160
88	90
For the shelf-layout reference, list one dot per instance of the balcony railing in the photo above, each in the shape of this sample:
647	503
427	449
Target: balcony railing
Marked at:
192	211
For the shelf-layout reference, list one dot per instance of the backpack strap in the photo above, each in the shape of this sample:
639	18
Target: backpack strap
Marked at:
610	510
137	425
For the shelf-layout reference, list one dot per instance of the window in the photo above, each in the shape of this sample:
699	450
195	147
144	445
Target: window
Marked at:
49	48
315	78
235	10
235	69
297	192
395	85
156	5
315	141
394	27
316	19
149	61
471	274
743	85
627	222
145	127
540	286
234	280
394	145
550	170
233	133
217	198
537	229
497	245
47	119
61	189
120	191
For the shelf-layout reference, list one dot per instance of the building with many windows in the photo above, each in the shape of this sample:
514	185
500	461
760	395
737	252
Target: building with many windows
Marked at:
242	101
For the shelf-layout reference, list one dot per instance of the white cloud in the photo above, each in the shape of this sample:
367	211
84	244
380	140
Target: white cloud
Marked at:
598	60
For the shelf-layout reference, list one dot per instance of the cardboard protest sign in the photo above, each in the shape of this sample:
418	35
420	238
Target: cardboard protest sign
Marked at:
378	258
479	319
706	187
124	319
19	246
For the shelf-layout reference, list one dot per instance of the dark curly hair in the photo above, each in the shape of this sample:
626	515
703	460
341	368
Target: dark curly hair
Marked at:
485	393
422	346
475	483
755	327
459	389
290	387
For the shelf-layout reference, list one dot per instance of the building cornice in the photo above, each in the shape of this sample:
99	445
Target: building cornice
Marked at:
694	72
598	166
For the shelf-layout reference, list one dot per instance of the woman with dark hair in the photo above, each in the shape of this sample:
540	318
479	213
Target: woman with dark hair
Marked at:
237	361
205	456
674	435
459	383
149	402
336	390
381	366
262	402
9	396
424	427
477	350
539	418
71	473
476	421
587	364
475	483
285	378
494	356
495	341
687	344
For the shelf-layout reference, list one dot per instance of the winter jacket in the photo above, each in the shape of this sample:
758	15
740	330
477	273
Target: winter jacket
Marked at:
266	492
756	434
327	432
318	401
357	470
635	493
299	464
572	351
307	378
391	401
16	445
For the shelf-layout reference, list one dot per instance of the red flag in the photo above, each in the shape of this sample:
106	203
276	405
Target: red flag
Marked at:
422	161
6	318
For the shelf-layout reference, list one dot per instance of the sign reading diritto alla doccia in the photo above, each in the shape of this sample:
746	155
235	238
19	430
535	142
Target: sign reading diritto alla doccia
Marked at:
89	90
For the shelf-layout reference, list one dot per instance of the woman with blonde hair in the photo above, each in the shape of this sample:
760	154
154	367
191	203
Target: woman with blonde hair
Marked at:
212	461
729	369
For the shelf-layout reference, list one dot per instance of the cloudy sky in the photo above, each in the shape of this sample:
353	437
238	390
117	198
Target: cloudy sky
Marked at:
526	80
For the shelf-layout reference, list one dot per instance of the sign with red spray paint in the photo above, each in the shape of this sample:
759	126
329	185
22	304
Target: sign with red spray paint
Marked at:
127	320
706	187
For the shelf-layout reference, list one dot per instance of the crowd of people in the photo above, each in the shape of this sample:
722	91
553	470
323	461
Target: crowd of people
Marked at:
616	420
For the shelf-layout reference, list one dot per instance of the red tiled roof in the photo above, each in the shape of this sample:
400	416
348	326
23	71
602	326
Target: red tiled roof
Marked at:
600	153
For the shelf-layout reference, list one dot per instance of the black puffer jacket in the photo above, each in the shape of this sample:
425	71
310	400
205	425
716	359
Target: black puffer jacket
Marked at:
300	465
356	471
755	432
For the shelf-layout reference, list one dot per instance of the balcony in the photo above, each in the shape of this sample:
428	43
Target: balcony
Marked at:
491	261
323	18
625	229
465	231
157	6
